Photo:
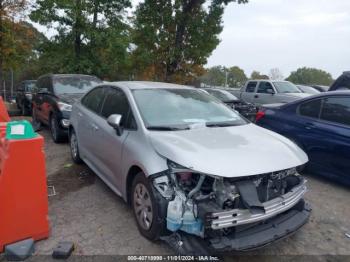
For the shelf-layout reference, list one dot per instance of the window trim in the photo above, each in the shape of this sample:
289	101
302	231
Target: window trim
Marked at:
255	89
332	122
273	87
83	98
309	101
127	99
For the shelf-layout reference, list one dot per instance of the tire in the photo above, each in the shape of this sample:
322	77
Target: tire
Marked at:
141	189
57	133
74	148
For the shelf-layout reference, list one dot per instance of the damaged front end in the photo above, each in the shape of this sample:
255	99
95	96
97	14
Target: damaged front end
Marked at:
233	213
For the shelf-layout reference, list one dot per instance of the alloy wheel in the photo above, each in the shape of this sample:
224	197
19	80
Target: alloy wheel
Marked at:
143	206
74	145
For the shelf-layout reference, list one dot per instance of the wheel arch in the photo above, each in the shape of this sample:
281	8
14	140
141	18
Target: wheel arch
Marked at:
133	171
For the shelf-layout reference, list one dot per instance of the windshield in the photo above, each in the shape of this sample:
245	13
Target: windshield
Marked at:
223	95
74	84
163	109
286	87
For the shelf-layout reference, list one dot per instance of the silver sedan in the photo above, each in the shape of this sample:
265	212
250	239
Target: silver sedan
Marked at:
190	166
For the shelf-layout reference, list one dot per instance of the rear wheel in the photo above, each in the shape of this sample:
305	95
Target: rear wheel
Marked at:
147	210
74	148
57	133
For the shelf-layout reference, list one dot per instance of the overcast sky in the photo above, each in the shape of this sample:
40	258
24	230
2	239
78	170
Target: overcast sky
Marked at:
286	34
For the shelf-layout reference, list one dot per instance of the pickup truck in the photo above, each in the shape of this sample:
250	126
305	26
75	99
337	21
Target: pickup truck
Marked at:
261	92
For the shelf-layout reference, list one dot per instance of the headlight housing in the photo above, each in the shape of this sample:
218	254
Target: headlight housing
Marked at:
64	107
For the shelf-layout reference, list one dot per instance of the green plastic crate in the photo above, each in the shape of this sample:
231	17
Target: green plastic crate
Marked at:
20	130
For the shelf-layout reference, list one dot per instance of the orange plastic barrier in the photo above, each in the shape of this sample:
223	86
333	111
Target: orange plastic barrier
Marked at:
23	190
4	115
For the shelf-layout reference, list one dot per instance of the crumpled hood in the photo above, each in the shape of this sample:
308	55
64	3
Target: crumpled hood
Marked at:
229	151
70	98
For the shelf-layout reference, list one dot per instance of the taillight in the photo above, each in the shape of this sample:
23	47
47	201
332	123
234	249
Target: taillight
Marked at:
259	115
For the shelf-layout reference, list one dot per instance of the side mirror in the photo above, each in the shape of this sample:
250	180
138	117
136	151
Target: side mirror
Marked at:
114	121
270	91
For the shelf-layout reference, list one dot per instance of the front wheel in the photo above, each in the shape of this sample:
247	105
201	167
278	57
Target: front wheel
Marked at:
148	212
74	148
57	133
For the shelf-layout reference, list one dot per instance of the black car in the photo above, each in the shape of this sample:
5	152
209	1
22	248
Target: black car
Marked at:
24	96
52	104
342	82
245	109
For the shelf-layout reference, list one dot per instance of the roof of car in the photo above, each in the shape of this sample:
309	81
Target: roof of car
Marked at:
148	85
320	95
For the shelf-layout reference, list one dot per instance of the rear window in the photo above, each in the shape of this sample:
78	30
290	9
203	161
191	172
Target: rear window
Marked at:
311	108
94	99
336	110
251	87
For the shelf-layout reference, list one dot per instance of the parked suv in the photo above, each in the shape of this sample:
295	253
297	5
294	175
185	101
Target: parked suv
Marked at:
24	96
53	101
262	92
342	82
194	171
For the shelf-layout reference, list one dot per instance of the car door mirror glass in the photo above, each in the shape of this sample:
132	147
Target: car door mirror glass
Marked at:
270	91
115	122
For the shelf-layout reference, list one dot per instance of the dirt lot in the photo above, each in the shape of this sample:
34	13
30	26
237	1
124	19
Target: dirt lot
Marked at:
87	212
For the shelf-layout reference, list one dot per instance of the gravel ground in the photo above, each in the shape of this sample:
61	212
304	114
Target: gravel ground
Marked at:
87	212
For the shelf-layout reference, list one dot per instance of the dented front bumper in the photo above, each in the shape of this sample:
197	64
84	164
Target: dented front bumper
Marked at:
236	217
276	228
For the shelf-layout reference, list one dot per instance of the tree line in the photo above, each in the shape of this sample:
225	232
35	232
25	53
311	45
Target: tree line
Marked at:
235	76
161	40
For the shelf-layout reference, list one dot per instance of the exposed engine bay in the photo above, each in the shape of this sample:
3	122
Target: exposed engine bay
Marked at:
208	206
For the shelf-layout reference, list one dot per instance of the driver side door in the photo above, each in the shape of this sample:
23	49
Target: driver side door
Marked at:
265	94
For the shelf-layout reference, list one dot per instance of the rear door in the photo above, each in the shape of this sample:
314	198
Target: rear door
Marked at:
249	92
86	113
335	124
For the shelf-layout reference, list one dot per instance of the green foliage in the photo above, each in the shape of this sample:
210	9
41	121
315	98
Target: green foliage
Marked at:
174	38
310	76
216	76
91	34
258	75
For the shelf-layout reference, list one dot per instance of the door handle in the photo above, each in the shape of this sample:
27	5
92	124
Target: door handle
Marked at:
94	127
256	96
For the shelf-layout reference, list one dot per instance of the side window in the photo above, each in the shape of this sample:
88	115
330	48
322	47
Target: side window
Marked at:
251	87
116	102
310	109
264	86
93	100
337	110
